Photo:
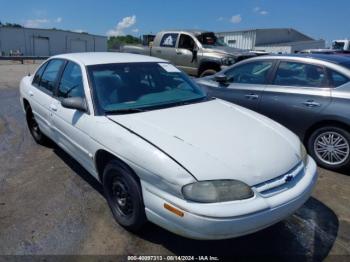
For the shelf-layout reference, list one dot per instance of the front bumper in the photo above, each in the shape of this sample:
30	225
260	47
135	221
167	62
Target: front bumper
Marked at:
227	219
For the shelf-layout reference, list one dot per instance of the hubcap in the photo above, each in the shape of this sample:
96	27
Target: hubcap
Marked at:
332	148
121	197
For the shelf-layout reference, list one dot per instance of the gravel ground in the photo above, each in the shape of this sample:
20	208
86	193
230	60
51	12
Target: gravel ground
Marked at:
49	205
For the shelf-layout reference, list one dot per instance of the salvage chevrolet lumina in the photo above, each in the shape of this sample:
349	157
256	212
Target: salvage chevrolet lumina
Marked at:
202	168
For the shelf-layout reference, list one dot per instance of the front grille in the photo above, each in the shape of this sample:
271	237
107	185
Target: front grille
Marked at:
281	183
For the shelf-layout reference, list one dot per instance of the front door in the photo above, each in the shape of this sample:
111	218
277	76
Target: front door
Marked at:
245	85
186	55
70	125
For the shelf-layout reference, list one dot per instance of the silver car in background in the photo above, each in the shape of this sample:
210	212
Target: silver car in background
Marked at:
309	94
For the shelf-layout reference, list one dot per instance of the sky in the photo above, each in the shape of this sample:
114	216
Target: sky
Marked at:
324	19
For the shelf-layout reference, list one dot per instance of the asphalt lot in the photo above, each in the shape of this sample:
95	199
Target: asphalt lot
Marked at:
50	205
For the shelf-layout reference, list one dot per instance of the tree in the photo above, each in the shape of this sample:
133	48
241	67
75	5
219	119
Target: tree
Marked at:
12	25
115	42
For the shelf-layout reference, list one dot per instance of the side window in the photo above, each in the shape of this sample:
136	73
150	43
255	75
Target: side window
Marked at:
337	78
169	40
71	84
186	42
49	76
300	74
250	73
38	74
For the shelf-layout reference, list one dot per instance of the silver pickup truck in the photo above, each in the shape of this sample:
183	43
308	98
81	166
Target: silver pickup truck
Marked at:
198	53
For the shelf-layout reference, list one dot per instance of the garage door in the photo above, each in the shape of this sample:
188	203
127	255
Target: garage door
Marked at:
41	46
77	46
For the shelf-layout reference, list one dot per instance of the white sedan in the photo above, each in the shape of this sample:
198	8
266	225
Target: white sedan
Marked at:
201	168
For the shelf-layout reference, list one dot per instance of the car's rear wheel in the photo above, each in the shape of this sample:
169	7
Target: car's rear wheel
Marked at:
124	196
34	128
330	147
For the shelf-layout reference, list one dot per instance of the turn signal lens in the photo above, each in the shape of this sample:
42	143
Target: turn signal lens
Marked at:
174	210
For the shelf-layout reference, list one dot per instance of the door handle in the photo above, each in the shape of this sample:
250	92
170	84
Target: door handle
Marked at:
31	93
178	52
53	107
311	103
252	96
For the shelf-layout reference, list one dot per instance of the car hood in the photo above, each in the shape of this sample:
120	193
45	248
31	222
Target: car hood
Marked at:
226	50
218	140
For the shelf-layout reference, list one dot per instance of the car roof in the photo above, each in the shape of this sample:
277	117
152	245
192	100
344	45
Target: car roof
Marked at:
95	58
341	60
333	58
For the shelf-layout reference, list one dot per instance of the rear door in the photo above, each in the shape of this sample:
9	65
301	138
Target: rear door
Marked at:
246	83
166	49
297	94
41	92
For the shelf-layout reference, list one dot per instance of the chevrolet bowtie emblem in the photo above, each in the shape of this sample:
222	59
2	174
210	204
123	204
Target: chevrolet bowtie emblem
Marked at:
289	178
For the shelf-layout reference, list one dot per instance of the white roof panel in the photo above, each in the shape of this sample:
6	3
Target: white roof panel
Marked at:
94	58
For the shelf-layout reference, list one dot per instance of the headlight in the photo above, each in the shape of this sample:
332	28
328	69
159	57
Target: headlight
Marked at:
228	61
217	191
303	154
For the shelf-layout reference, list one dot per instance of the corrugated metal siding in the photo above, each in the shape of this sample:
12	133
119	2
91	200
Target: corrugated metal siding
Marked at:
242	40
59	41
290	48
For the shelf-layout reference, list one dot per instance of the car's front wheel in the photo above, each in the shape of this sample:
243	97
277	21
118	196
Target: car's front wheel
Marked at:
208	72
330	147
124	196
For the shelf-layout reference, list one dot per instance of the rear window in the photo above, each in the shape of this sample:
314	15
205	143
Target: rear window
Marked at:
338	79
300	74
169	40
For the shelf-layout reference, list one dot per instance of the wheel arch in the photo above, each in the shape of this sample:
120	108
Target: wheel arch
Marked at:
26	104
208	65
103	157
324	123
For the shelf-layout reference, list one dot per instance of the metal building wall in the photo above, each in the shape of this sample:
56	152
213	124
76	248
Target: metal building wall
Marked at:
35	42
290	48
243	39
275	35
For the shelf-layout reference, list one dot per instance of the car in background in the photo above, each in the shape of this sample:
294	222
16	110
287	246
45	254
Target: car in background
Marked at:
325	52
162	150
196	52
309	94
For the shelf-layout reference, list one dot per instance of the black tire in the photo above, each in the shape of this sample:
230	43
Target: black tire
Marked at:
124	196
208	72
34	129
332	153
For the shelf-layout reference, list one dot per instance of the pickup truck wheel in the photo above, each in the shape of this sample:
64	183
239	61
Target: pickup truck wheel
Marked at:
330	147
208	72
124	197
34	129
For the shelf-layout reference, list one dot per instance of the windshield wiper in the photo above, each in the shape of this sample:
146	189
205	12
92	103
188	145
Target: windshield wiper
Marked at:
124	111
192	101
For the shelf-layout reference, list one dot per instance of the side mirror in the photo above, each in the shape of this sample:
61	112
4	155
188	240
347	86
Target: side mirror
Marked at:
221	79
77	103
